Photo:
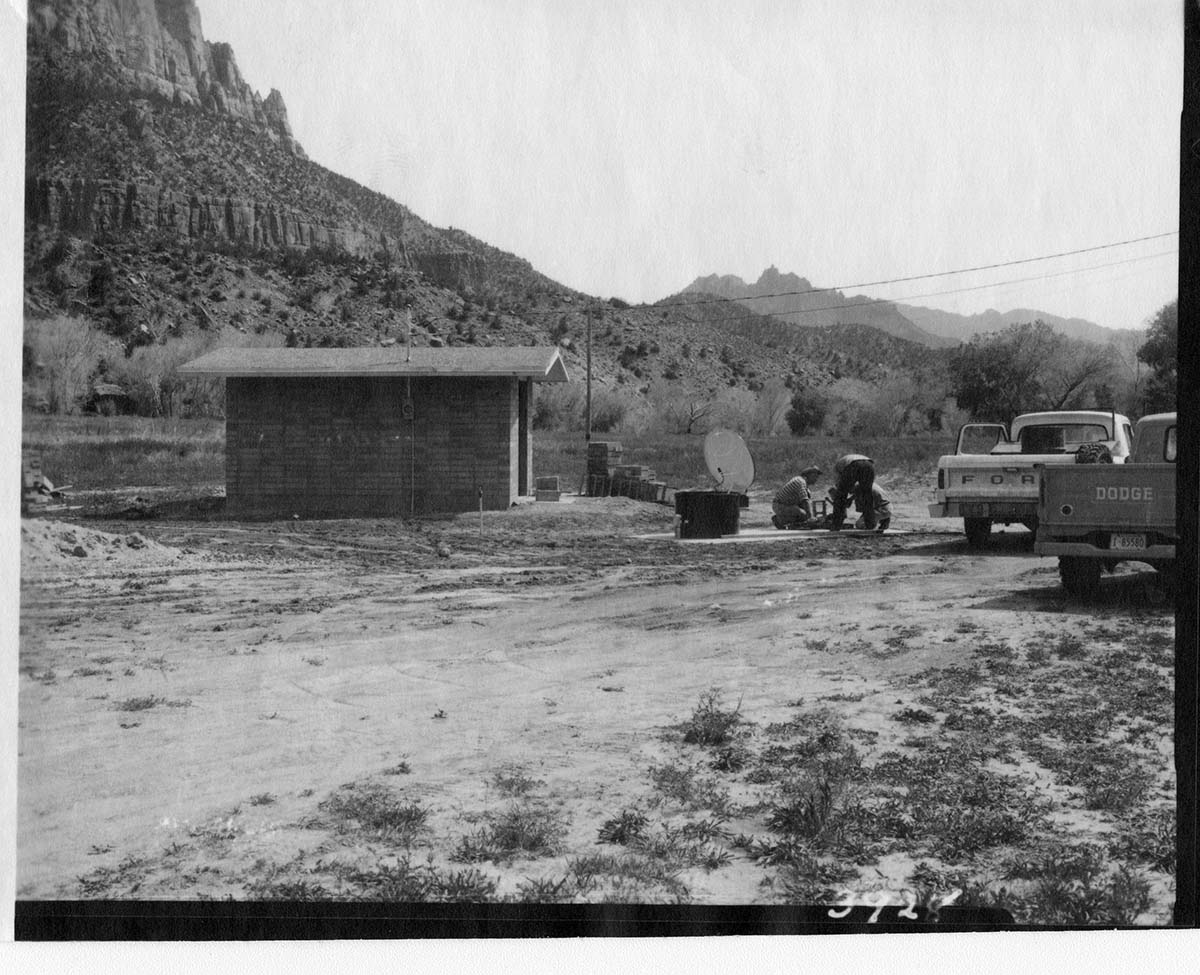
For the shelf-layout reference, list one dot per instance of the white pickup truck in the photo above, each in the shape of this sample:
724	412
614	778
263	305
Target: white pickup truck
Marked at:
993	477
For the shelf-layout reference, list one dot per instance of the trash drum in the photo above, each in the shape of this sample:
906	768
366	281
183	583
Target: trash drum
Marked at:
707	514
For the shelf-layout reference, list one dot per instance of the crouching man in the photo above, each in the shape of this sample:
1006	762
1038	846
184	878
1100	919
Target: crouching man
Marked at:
792	505
883	509
855	475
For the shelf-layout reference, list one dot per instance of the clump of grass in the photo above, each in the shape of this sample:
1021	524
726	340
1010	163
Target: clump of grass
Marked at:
125	878
624	828
948	800
400	768
376	809
682	785
732	758
291	890
546	891
805	815
913	716
514	783
805	879
1069	885
631	874
683	847
402	881
1110	776
262	799
710	723
1070	647
139	703
1150	839
520	830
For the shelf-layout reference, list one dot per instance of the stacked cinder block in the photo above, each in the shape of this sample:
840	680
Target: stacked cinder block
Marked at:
608	477
547	489
603	457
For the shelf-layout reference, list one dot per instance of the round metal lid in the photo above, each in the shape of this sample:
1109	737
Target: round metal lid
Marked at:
729	461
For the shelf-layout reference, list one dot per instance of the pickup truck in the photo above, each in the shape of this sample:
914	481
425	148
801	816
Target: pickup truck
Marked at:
993	475
1095	516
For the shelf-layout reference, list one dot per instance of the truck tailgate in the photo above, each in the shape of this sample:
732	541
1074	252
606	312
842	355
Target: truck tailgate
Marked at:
1107	496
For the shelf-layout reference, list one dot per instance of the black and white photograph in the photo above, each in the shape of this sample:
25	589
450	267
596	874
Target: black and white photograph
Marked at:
554	465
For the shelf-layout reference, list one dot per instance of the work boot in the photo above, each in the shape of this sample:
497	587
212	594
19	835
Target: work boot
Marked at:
883	525
776	522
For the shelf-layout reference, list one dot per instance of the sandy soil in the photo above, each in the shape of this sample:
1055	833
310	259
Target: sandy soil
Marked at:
192	691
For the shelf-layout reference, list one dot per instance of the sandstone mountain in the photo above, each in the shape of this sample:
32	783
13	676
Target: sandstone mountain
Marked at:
158	49
165	197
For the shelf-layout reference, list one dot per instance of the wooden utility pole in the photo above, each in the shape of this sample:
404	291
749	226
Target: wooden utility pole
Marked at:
587	425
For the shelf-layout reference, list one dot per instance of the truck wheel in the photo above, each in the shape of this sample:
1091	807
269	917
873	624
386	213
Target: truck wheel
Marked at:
1080	577
978	530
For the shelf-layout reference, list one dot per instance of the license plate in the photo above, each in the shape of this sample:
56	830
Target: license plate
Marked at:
1127	543
973	510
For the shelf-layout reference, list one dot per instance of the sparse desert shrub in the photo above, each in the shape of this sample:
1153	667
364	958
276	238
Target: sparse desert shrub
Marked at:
710	723
520	830
375	808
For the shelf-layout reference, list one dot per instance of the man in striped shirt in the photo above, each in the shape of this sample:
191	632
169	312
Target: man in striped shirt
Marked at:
792	505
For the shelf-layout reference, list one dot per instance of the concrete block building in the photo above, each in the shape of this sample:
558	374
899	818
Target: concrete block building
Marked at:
370	431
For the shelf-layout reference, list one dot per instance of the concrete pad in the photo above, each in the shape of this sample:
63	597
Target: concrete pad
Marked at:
769	534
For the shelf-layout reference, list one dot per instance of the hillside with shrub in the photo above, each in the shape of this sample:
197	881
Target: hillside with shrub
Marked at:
161	222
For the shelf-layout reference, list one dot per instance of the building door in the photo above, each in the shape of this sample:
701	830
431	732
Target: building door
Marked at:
523	436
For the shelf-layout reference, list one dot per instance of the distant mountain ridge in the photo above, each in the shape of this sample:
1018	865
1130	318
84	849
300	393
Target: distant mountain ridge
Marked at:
797	301
962	327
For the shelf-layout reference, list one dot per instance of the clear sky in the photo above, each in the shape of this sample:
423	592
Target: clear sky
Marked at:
625	147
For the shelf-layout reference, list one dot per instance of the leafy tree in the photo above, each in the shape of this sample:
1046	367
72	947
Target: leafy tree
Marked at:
1026	367
1160	352
808	410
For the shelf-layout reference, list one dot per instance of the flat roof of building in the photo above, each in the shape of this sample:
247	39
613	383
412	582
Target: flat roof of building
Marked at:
539	363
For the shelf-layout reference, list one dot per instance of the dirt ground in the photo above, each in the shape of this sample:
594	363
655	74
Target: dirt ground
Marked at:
471	708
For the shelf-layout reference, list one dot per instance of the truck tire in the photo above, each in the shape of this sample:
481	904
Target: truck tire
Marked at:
1080	576
978	530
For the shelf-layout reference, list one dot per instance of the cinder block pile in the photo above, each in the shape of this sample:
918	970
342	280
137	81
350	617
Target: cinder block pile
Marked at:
608	477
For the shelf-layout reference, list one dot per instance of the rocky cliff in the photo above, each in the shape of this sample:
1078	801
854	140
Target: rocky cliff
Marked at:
160	50
97	206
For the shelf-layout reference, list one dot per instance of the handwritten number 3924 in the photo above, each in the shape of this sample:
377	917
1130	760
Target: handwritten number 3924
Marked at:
881	899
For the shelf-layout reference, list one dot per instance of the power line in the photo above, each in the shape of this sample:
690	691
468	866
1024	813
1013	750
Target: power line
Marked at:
932	274
928	294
